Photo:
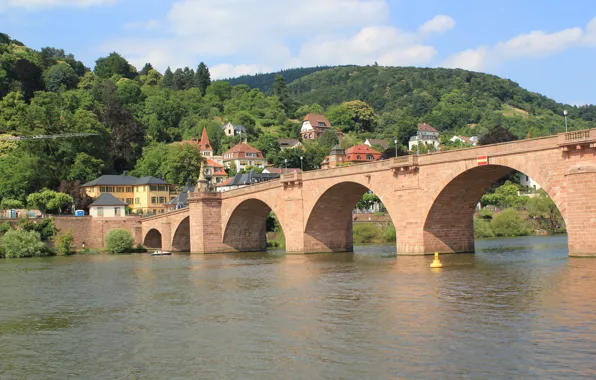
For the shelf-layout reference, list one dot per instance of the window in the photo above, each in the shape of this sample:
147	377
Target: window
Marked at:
321	124
129	201
358	157
162	200
154	200
369	157
137	201
153	188
117	211
102	189
129	189
162	188
100	211
254	155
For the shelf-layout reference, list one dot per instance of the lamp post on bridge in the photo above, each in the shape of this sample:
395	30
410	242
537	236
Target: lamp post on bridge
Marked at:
301	157
565	117
395	142
286	161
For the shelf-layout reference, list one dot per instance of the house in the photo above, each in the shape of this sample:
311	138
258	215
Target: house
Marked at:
233	130
281	170
380	142
214	172
245	179
243	155
336	157
313	126
361	153
463	140
181	200
427	135
289	144
146	195
526	181
205	146
107	206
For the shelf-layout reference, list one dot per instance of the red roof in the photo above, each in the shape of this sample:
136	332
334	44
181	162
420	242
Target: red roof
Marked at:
240	150
221	172
225	183
314	119
205	144
426	127
362	150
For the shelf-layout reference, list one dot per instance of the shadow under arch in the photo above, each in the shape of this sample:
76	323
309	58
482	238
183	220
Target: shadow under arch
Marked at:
329	227
152	239
181	239
246	229
449	224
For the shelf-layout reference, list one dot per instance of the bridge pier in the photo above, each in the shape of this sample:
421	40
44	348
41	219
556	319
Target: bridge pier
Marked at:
205	223
581	210
166	236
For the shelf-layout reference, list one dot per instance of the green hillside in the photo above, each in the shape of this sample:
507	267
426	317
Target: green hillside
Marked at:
135	115
264	82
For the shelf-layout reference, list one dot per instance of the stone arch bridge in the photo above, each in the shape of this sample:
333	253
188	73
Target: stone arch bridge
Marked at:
430	199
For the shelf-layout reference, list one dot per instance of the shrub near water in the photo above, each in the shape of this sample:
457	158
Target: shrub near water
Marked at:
367	234
119	241
64	243
20	243
509	223
482	229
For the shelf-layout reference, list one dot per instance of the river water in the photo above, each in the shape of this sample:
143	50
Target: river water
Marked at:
518	308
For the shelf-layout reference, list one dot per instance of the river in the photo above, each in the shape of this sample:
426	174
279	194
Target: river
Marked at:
518	308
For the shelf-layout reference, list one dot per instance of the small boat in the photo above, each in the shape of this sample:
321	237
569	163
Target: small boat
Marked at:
161	253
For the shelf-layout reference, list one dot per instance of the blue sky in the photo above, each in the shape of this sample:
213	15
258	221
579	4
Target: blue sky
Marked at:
546	46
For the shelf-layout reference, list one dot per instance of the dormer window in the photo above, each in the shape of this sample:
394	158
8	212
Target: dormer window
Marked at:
369	157
321	124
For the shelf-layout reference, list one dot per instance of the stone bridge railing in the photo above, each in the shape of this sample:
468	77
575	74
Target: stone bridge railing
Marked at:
165	214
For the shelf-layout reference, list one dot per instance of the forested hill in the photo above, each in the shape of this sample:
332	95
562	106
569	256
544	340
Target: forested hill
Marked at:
264	82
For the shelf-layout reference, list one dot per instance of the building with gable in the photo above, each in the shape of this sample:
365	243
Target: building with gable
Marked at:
107	206
426	135
313	126
233	130
336	157
362	153
243	155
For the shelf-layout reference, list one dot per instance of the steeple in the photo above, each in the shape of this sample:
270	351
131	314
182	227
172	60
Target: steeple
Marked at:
205	145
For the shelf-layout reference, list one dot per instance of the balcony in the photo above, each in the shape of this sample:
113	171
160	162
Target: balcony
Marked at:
577	140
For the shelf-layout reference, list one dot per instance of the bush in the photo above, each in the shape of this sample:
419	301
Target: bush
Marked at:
21	243
390	235
482	229
367	233
509	223
486	214
5	227
46	227
64	243
119	241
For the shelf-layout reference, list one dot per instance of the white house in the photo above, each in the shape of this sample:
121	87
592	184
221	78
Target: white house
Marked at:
427	135
529	182
242	155
464	140
233	130
107	206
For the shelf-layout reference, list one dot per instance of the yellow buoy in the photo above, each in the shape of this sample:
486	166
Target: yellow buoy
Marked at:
436	262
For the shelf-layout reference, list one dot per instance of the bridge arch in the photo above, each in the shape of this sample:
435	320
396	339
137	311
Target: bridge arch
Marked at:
245	229
181	237
449	223
329	224
152	239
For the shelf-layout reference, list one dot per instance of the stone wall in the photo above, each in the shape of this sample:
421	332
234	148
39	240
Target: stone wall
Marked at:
92	231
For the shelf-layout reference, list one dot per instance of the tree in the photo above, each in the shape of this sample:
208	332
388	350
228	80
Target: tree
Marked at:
60	75
114	64
48	200
221	89
8	204
363	115
168	78
64	243
508	223
542	208
85	168
145	70
496	135
328	139
202	78
80	199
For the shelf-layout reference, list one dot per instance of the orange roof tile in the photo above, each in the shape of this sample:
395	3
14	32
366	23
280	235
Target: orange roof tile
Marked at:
315	118
426	127
241	149
205	144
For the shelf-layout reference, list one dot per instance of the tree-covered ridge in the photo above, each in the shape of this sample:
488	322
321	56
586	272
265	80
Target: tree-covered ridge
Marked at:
264	82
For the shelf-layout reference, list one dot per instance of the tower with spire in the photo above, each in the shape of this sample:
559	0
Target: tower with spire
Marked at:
205	145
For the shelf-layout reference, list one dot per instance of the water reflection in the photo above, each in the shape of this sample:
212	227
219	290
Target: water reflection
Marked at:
519	308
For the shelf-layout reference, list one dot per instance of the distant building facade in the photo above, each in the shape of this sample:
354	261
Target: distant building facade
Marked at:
146	195
525	180
336	158
233	130
313	126
361	153
464	140
243	155
107	206
426	135
289	144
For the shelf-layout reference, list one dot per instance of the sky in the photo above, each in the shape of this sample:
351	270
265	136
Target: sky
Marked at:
547	46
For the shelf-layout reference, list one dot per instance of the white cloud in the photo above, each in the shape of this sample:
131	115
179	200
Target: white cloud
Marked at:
529	45
33	5
143	25
438	24
287	33
226	70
